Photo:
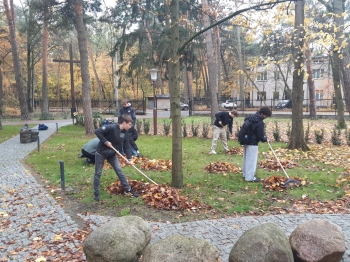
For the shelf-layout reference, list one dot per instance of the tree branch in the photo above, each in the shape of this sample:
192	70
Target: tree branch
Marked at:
256	7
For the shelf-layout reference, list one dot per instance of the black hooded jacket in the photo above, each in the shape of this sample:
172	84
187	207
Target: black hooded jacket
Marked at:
225	119
118	138
257	133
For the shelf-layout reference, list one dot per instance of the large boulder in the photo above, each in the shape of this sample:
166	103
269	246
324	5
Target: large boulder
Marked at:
317	241
179	248
122	239
264	243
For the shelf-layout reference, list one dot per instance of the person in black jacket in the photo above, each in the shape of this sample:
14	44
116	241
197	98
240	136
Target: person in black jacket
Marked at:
127	110
115	135
250	151
133	135
222	119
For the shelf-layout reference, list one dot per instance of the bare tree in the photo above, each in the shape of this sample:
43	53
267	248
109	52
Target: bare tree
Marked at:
9	10
174	66
84	61
310	82
44	87
297	140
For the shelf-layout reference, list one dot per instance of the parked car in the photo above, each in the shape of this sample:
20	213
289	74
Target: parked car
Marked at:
184	106
284	104
228	104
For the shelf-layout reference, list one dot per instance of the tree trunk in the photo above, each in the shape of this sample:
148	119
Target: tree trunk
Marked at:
217	59
338	10
310	82
297	140
1	99
84	61
211	63
240	64
44	88
16	63
98	82
174	64
30	89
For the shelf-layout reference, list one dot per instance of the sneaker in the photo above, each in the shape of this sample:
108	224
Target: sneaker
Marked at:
81	155
255	180
131	193
212	152
97	198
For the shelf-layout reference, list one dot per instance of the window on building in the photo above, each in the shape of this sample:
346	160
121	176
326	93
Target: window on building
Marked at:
262	76
276	95
317	73
277	75
261	96
319	94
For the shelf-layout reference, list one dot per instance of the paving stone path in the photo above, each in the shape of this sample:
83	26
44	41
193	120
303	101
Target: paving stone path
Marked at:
28	212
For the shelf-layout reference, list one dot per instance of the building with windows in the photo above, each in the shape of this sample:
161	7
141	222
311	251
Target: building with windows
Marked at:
274	82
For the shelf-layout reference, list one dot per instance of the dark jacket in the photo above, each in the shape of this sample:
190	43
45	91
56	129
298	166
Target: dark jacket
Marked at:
133	135
225	119
117	137
257	133
128	111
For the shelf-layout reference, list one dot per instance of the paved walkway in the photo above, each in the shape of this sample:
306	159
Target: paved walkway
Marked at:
28	212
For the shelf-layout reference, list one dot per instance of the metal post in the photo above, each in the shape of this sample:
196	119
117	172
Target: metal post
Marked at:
62	175
38	143
154	109
56	128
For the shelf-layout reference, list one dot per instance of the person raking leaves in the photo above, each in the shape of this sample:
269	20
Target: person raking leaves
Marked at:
114	135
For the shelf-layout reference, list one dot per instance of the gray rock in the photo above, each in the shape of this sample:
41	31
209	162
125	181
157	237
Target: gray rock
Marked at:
263	243
178	248
317	241
122	239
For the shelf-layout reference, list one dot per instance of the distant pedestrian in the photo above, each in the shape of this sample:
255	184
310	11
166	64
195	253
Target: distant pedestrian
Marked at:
115	135
89	150
256	135
127	109
221	120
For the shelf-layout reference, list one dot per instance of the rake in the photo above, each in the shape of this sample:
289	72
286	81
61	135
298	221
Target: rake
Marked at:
134	166
290	182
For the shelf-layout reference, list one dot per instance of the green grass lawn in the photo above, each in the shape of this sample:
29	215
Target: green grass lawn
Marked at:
226	193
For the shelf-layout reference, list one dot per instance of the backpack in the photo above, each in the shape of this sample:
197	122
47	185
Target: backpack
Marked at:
244	133
43	127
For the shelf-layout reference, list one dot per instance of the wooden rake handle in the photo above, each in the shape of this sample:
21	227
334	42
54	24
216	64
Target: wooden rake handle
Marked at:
134	166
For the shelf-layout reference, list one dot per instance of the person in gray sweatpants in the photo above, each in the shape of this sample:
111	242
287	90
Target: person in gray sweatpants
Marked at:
256	135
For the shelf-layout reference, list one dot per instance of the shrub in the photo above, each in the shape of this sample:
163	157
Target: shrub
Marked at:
307	133
146	125
46	116
289	131
336	140
184	129
97	119
319	136
276	132
138	125
205	131
194	129
167	126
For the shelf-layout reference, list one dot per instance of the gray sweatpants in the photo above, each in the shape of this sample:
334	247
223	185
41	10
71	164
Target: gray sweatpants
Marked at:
250	160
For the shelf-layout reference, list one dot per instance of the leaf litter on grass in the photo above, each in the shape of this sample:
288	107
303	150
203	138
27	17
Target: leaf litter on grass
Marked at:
221	167
159	196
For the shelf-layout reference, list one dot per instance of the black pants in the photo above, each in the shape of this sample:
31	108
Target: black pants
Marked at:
88	155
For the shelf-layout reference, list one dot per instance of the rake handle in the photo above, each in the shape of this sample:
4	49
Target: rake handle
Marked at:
278	159
134	166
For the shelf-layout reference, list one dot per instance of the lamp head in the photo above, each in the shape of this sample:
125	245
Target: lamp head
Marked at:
153	72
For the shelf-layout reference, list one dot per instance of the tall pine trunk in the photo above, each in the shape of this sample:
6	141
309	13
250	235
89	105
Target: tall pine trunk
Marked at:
84	61
174	66
44	87
98	82
211	62
297	140
1	99
16	63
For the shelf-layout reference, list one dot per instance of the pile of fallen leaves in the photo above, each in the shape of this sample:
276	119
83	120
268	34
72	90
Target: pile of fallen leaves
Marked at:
156	164
235	151
159	196
278	183
221	167
273	165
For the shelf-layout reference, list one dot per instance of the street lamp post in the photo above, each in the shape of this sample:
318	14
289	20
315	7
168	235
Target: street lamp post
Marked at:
154	73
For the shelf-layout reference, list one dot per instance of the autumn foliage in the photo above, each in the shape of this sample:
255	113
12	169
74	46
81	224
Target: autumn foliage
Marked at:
221	167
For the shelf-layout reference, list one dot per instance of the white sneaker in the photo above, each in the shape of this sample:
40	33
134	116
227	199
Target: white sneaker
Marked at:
212	152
